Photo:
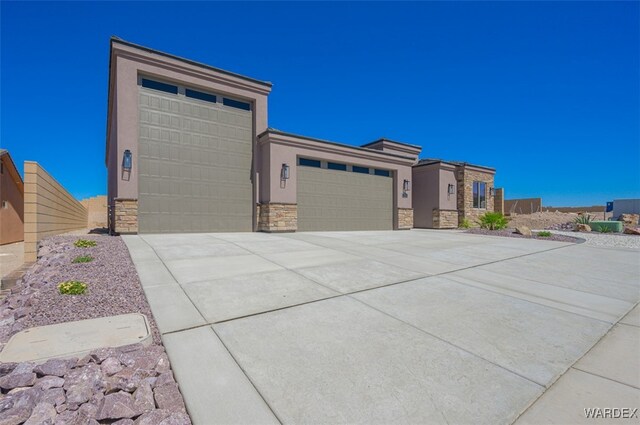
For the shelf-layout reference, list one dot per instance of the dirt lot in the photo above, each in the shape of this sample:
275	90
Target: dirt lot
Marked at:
543	220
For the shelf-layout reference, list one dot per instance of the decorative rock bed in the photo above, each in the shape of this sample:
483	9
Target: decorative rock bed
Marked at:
511	234
127	385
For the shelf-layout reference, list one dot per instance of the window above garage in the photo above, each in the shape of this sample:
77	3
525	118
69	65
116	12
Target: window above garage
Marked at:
153	84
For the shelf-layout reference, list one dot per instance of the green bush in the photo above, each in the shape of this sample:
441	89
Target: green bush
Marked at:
72	287
493	221
583	219
84	243
544	234
466	224
607	226
82	259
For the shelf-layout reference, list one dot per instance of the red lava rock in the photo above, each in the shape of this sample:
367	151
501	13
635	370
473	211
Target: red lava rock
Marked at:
154	417
48	382
168	397
54	396
81	383
14	380
163	379
15	416
7	368
43	413
143	398
55	367
111	366
117	406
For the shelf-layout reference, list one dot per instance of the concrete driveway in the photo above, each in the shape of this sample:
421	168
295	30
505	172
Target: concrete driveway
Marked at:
387	327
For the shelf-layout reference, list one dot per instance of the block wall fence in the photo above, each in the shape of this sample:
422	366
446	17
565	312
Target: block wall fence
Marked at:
48	209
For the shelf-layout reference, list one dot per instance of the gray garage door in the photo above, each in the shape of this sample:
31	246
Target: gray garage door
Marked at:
343	200
194	163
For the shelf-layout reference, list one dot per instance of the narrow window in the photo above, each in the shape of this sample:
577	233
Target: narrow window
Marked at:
385	173
479	195
201	95
363	170
236	104
305	162
157	85
1	167
337	166
5	204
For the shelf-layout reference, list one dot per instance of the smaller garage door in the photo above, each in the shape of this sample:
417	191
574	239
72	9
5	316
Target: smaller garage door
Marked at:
343	200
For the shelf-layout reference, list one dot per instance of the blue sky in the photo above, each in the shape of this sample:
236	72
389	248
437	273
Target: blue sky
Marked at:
548	93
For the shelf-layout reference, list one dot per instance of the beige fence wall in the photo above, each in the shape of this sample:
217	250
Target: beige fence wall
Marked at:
97	210
522	206
48	209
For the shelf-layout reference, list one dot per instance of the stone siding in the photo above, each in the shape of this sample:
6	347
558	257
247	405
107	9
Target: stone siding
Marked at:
498	202
465	178
445	219
277	218
405	218
126	216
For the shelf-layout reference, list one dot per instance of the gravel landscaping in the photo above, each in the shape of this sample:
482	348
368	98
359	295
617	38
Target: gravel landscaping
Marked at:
607	240
510	233
128	385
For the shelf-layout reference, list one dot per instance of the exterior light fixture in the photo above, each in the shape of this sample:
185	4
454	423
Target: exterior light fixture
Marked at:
405	185
284	172
451	189
492	191
126	160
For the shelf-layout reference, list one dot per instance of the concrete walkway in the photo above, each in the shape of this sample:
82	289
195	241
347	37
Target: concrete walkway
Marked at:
388	327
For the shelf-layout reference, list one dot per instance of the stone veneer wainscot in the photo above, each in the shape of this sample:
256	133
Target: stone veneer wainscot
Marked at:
126	215
276	217
445	219
405	218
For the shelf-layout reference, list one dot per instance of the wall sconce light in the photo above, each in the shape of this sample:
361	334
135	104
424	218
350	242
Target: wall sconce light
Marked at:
451	189
127	160
492	191
405	185
284	172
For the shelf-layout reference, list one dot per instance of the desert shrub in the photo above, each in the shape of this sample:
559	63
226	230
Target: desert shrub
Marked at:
72	287
84	243
493	221
583	219
544	234
82	259
466	224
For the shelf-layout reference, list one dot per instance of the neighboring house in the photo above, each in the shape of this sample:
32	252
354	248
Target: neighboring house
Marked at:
189	149
11	201
447	192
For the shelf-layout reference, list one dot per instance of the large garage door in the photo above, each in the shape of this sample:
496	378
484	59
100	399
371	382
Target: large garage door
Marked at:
343	200
194	162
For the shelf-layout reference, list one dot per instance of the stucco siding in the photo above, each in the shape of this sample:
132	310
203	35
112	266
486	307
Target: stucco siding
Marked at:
48	208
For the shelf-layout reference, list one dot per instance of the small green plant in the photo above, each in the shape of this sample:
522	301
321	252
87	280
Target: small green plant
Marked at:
84	243
583	219
466	224
72	287
83	259
604	229
493	221
544	234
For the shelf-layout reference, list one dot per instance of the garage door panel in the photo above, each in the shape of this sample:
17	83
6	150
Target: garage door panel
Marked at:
191	176
339	200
